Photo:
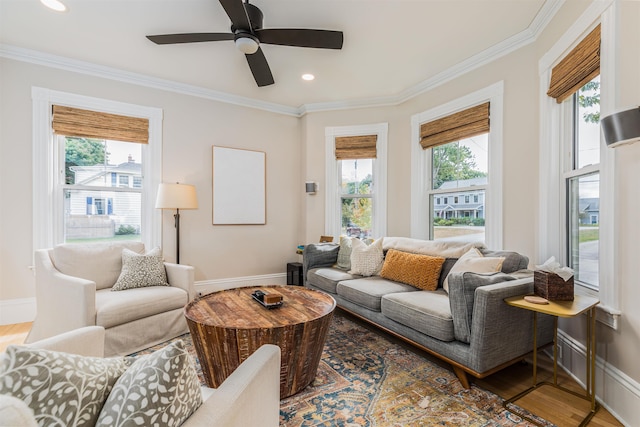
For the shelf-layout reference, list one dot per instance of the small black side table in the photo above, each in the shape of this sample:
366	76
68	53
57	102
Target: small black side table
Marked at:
294	273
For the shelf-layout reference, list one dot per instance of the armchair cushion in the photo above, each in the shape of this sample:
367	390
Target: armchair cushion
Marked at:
161	388
119	308
98	262
141	270
60	388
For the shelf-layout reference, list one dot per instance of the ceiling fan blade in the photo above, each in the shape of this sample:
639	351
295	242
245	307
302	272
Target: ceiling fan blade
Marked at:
190	38
260	68
301	37
237	13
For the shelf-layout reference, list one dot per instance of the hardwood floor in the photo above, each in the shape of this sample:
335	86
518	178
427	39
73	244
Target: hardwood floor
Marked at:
560	408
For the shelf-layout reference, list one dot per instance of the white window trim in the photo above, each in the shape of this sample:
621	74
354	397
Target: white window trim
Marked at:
421	164
332	224
47	206
553	131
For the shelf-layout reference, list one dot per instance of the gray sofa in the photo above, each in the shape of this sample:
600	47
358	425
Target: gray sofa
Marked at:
470	327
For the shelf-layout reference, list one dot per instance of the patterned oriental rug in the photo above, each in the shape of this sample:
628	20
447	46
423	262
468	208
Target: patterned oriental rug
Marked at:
367	379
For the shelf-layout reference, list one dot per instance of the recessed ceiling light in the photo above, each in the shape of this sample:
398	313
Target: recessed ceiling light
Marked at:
56	5
308	77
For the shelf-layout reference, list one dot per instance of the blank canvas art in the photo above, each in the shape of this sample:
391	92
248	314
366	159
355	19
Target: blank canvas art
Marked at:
239	188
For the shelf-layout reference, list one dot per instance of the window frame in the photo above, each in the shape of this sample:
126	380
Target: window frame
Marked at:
421	176
48	214
333	226
555	135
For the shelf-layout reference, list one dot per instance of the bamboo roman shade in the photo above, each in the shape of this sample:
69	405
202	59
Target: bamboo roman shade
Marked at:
463	124
71	121
577	68
356	147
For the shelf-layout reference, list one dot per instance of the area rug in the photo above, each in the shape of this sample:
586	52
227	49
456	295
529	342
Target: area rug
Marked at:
368	379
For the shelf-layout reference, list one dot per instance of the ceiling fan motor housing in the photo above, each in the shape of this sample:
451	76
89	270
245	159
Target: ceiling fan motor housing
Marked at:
255	18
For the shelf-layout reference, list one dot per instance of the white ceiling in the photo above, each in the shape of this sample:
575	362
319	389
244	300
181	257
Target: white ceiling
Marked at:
389	47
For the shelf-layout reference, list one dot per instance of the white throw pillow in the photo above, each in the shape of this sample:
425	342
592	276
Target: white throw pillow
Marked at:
344	253
15	413
474	262
366	260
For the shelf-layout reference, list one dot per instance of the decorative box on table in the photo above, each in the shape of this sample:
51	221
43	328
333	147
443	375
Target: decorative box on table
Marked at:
552	287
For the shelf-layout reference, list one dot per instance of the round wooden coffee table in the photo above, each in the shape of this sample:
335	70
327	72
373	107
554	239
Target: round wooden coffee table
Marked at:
228	326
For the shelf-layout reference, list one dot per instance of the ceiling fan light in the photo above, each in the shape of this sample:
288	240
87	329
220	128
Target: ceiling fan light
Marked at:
247	45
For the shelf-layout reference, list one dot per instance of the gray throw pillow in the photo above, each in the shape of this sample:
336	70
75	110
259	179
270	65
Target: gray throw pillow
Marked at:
462	288
344	253
141	271
61	389
159	389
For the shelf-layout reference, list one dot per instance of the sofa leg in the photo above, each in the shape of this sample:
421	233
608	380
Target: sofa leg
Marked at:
462	376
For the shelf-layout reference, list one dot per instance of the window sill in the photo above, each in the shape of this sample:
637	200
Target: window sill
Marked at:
604	314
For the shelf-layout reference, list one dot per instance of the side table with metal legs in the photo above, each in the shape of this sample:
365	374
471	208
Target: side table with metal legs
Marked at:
580	304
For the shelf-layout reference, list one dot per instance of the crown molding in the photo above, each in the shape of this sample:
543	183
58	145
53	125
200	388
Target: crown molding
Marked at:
82	67
525	37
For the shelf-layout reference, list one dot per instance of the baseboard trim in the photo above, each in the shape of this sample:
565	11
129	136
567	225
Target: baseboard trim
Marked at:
17	310
615	390
204	287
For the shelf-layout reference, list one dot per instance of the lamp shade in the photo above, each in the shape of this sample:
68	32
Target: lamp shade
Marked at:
176	196
622	127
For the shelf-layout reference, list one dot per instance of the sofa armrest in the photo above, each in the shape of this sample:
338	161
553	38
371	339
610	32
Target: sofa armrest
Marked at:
249	397
63	302
501	333
316	255
87	341
181	276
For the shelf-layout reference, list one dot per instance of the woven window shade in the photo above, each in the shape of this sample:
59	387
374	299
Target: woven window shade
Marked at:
70	121
577	68
356	147
464	124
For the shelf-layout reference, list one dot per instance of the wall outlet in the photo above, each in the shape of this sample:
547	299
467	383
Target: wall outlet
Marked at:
560	353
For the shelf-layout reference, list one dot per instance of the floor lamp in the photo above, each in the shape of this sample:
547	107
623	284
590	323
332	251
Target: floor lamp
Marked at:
177	196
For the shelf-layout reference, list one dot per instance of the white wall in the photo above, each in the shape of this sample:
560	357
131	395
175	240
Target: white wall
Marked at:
190	127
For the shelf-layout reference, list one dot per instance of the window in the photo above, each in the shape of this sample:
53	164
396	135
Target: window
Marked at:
582	180
457	156
356	181
92	173
66	189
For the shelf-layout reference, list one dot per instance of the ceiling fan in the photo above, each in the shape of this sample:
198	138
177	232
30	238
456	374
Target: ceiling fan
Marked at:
248	34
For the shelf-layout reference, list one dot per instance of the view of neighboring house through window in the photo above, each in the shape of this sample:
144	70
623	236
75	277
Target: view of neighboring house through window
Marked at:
356	197
102	189
457	195
582	179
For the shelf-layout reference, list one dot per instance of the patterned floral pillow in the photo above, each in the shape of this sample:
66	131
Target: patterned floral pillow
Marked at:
159	389
141	271
62	389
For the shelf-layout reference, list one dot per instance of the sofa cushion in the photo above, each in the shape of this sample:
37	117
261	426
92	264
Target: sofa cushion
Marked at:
441	248
421	271
327	278
368	291
462	288
344	253
366	260
141	270
98	262
427	312
59	386
474	261
117	308
513	261
161	388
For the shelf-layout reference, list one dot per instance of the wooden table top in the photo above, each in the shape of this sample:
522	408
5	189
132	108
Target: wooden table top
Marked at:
236	309
580	304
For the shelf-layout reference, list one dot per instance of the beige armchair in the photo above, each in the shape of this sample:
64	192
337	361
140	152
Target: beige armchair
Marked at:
73	290
249	397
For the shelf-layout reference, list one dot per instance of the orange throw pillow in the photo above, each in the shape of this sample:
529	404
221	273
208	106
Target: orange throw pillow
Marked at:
421	271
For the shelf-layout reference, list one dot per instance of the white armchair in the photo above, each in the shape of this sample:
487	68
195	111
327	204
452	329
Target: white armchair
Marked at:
249	397
73	290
